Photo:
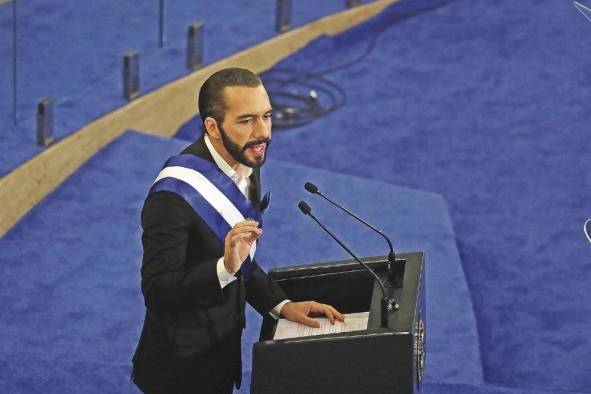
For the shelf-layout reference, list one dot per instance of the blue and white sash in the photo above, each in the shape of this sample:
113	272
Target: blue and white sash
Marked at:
211	194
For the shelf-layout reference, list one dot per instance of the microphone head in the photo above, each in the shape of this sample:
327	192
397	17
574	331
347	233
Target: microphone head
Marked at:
309	186
305	208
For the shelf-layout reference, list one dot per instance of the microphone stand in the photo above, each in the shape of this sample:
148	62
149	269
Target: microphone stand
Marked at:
395	269
387	304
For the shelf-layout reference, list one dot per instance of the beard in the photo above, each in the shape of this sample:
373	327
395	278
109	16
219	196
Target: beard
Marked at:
239	152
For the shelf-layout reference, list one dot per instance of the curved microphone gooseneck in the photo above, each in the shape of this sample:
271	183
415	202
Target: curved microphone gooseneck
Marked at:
387	304
396	272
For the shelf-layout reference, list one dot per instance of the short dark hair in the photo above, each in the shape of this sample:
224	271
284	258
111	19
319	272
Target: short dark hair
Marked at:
211	98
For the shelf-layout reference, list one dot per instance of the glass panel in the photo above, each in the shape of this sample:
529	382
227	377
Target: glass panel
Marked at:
306	11
72	51
6	59
69	48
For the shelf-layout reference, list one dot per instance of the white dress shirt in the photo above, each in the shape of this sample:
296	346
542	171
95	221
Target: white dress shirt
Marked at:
241	177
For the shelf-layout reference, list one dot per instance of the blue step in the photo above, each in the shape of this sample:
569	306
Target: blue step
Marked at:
70	268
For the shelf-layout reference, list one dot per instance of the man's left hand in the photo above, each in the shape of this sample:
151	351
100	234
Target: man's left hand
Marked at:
300	312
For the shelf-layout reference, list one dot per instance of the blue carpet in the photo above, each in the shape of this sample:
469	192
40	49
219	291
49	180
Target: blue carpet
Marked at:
446	388
37	376
72	299
73	53
486	104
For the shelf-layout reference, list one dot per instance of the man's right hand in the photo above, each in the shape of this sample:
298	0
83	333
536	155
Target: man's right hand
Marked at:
238	242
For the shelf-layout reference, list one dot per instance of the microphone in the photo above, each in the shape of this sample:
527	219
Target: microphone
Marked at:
396	270
387	304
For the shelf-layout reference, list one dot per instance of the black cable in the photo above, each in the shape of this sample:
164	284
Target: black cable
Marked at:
299	98
294	107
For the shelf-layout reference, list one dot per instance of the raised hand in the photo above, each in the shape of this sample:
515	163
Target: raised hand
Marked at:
238	242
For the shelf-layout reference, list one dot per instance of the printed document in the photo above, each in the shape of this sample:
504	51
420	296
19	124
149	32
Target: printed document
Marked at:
353	322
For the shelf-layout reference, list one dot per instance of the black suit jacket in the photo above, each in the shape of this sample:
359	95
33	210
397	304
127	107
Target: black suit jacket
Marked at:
188	313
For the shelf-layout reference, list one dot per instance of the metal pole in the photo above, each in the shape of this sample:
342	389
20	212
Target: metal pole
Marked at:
161	23
14	73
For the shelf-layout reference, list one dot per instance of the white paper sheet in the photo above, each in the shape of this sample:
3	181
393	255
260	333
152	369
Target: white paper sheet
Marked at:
353	322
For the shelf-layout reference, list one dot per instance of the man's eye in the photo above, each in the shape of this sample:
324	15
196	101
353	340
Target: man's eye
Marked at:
268	116
245	121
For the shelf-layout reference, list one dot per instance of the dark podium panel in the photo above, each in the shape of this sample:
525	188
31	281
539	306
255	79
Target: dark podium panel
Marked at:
377	360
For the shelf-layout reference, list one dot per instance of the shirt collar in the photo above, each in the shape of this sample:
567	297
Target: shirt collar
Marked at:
242	170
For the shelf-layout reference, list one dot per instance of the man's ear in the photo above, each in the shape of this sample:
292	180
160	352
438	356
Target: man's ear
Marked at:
211	127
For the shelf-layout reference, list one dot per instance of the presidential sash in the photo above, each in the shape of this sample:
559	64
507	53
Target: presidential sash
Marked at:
212	195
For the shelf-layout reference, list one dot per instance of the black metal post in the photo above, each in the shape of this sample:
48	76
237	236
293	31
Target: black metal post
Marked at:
45	121
131	75
195	46
353	3
283	16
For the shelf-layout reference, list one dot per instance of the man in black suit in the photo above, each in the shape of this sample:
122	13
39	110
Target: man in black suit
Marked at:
200	223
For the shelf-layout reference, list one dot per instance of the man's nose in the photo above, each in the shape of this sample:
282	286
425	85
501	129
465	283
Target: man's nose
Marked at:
262	129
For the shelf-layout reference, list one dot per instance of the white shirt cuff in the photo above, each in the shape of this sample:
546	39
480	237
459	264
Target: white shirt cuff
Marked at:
224	277
276	312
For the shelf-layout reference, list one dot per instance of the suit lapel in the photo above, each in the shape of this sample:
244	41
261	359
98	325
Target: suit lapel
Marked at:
198	148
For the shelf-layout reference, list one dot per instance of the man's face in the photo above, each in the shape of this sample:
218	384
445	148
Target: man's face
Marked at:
246	129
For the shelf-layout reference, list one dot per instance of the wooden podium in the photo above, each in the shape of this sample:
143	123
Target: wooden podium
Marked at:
377	360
